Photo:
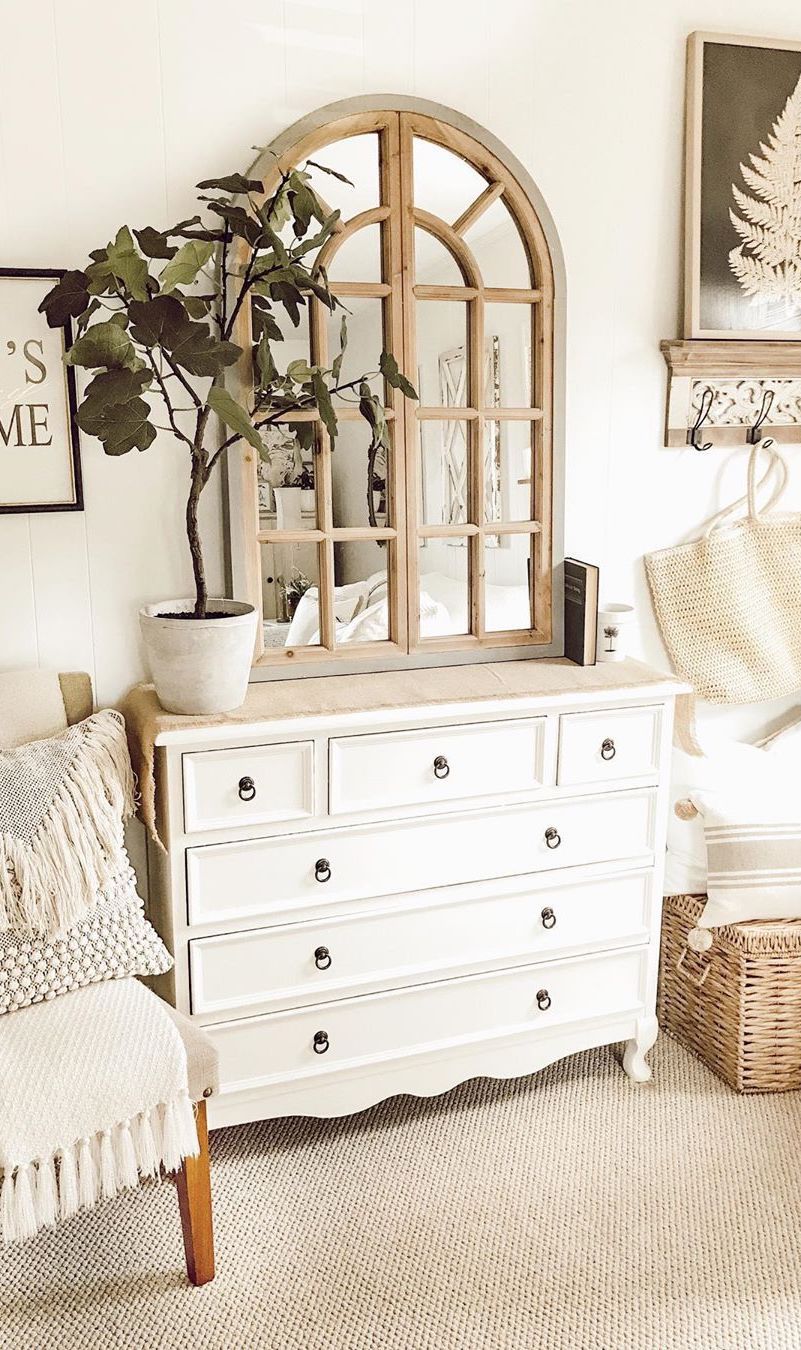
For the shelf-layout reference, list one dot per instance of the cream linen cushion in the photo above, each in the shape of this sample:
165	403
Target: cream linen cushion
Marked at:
723	773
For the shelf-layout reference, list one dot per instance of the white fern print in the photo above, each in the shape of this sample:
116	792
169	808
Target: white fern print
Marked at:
767	263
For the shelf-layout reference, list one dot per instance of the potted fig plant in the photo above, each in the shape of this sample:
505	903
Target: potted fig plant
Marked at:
155	313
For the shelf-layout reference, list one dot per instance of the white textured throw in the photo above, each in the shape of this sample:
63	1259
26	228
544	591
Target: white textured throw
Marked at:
63	802
93	1094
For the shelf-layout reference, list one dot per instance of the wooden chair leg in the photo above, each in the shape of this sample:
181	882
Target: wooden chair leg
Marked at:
194	1198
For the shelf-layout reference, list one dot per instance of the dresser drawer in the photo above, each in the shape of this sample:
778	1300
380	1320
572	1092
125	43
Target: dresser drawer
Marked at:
600	747
439	764
294	964
255	785
311	1041
277	877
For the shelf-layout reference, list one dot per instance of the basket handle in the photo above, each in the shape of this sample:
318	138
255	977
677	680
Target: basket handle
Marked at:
698	981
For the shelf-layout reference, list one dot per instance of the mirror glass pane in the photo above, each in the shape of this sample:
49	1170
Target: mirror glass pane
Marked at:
361	595
444	184
290	594
443	472
509	332
441	353
357	158
434	264
286	481
498	249
358	257
444	596
508	461
350	466
507	569
364	321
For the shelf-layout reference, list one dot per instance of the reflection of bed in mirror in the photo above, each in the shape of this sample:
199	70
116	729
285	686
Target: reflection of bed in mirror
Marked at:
361	609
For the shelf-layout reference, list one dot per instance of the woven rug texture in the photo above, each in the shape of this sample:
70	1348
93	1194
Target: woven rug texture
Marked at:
568	1210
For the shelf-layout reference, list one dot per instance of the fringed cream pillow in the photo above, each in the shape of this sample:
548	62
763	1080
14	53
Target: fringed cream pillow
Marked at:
752	829
69	911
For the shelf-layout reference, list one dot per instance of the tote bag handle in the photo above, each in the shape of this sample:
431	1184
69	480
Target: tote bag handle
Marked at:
776	468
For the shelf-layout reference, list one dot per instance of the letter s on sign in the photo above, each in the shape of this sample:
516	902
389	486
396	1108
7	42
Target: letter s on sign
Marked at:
34	361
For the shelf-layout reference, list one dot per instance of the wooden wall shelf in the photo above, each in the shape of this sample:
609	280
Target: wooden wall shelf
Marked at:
716	358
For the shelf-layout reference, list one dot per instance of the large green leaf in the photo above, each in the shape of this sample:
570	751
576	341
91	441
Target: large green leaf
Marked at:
184	267
154	243
113	411
233	415
104	344
67	300
232	183
127	264
163	322
389	369
324	405
264	361
238	220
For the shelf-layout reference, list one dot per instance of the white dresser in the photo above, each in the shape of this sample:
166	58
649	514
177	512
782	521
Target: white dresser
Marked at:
389	883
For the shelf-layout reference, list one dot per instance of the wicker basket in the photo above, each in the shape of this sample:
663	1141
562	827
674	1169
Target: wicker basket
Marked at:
737	1006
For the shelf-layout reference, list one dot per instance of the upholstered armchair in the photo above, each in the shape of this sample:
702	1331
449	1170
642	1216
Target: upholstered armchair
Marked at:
34	705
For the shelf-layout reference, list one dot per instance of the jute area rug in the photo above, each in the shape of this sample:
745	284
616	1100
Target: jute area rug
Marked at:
570	1210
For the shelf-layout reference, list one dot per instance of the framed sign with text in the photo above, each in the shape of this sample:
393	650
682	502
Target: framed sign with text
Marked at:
40	467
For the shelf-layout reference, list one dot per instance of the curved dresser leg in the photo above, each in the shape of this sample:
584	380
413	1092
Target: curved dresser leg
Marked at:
634	1062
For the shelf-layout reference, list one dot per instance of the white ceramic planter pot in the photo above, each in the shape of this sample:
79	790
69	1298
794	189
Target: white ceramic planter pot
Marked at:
199	665
288	508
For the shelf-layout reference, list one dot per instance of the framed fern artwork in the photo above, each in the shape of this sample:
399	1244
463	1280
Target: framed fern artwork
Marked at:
743	188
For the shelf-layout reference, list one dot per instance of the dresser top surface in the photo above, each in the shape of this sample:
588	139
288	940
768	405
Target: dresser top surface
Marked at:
337	695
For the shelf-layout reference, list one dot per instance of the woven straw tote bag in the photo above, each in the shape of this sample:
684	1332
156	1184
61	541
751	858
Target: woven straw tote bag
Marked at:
729	604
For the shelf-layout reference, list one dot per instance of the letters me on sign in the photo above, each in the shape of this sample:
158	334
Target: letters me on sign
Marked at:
40	468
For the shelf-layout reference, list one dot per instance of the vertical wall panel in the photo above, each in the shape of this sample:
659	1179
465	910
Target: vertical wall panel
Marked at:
18	642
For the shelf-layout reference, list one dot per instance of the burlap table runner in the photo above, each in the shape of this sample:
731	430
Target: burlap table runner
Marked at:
332	695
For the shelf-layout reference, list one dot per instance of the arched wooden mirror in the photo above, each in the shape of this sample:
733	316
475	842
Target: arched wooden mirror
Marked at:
443	548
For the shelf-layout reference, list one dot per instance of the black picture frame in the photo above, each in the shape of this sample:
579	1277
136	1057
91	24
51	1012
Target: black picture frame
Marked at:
77	501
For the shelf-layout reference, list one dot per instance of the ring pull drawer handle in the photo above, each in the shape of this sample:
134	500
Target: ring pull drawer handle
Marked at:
543	1000
552	837
320	1043
548	917
608	750
247	789
322	870
441	767
322	958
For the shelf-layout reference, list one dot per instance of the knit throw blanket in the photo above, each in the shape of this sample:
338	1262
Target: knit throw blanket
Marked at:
93	1095
93	1083
63	804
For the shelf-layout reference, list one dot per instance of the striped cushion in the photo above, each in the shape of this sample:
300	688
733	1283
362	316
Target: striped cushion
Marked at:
753	838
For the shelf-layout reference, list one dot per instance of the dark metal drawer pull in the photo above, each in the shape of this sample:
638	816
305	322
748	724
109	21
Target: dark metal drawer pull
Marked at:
322	958
441	767
548	918
321	1042
247	789
543	1000
608	750
322	870
552	837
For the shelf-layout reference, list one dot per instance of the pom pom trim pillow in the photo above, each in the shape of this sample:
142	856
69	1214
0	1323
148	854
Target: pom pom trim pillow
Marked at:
69	911
752	827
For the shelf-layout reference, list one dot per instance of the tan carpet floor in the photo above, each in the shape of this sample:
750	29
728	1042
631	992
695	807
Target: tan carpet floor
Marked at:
566	1210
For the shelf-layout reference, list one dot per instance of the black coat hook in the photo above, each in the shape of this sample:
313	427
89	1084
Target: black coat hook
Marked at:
707	399
754	433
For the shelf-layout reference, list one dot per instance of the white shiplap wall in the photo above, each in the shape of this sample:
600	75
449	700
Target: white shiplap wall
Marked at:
110	113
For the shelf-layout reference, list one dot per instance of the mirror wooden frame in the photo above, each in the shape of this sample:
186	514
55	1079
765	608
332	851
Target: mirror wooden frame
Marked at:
396	121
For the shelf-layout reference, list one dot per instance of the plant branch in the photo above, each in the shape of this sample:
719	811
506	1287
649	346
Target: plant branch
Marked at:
176	430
